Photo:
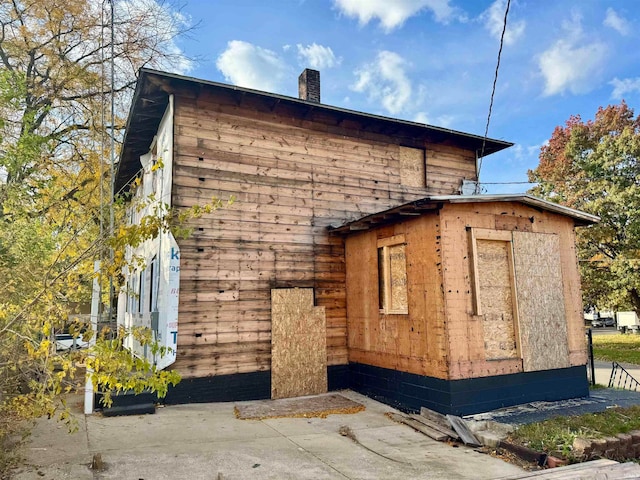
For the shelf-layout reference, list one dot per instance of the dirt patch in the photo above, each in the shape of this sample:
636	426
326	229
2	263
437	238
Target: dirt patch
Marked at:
317	406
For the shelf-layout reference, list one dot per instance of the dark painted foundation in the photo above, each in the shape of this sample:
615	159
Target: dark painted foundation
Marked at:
409	392
223	388
241	386
405	391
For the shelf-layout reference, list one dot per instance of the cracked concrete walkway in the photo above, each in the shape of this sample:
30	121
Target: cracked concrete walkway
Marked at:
206	441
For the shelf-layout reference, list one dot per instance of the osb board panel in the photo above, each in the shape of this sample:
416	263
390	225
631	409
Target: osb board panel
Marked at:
412	167
316	406
496	299
541	307
398	267
298	344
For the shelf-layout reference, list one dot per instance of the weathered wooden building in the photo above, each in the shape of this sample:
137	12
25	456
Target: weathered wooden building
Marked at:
349	257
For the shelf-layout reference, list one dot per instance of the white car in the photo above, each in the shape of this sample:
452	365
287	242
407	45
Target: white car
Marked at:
65	341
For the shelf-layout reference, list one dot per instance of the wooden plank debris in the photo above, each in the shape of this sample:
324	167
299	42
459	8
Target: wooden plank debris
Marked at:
434	416
435	426
418	426
467	436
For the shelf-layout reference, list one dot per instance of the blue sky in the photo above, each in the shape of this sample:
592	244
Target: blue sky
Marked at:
433	61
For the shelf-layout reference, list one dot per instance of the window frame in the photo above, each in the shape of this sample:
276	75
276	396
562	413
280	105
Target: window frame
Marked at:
495	235
141	291
476	234
385	287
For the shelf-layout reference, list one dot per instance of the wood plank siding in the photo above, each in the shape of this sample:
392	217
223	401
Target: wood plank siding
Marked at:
415	342
462	320
465	329
292	176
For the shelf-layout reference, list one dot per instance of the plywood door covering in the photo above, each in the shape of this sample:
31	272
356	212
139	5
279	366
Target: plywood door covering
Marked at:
298	344
541	303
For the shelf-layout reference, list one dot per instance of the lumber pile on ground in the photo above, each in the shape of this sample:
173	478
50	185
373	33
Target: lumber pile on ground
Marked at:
437	426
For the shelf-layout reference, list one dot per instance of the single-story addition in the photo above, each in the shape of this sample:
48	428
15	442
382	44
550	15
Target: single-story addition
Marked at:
352	257
478	303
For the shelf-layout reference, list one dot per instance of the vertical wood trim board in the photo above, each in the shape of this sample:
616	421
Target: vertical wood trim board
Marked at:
298	344
543	324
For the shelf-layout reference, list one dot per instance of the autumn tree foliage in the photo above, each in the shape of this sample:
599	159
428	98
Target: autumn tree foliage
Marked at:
55	126
594	166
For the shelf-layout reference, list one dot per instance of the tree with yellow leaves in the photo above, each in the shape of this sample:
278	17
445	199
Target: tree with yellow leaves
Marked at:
56	79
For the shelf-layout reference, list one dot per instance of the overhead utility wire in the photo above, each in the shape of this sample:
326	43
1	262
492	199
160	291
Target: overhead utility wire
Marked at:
493	90
563	180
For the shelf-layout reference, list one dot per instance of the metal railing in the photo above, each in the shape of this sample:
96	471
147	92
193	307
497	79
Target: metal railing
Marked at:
591	369
620	378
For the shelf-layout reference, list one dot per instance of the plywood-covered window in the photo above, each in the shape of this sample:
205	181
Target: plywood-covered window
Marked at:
392	275
413	167
495	293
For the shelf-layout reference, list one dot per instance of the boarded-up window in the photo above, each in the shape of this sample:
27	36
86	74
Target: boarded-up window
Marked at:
392	275
496	299
412	167
495	293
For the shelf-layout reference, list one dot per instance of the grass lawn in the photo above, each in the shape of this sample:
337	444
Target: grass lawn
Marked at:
556	435
619	348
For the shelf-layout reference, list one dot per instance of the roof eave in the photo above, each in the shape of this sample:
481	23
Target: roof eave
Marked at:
153	82
436	202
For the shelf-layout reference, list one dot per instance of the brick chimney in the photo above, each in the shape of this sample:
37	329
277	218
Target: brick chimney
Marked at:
309	85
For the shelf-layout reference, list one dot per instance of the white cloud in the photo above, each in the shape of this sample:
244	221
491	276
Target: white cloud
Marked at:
442	121
385	80
317	56
392	14
421	117
493	19
248	65
624	87
525	153
615	21
571	63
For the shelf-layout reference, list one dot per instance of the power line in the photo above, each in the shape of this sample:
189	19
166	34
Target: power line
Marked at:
493	89
559	181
